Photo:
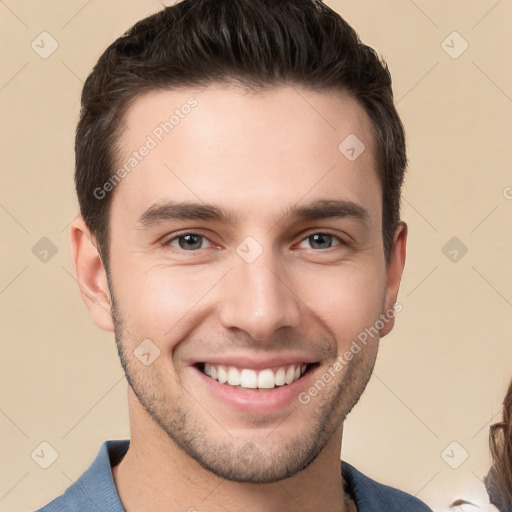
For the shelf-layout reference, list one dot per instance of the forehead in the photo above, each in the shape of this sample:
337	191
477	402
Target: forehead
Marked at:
245	150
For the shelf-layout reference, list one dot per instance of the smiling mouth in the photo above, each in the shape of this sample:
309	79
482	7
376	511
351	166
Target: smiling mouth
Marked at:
249	379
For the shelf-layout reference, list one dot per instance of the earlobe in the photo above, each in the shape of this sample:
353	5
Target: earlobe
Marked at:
394	272
90	274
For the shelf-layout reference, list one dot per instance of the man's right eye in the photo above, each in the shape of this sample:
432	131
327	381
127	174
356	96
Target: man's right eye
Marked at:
187	241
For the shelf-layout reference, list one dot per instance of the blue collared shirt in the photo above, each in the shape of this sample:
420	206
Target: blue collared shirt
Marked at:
95	490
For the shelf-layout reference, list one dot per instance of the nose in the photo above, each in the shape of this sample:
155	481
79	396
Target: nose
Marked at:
257	297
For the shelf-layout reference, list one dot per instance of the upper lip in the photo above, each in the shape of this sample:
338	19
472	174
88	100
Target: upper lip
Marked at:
256	363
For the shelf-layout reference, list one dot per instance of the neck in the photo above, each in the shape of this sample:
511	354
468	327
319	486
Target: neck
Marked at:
156	475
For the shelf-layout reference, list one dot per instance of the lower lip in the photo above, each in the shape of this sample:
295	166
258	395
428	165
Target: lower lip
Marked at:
256	401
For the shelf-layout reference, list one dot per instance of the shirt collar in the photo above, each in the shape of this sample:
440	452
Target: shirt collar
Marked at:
97	483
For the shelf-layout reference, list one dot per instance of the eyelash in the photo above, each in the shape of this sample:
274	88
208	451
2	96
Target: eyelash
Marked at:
193	251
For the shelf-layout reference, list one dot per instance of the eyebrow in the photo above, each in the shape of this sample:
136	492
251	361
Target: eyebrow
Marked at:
317	210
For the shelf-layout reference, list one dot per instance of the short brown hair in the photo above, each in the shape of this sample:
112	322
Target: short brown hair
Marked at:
255	43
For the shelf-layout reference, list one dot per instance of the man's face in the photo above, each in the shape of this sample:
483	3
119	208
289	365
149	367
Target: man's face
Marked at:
262	288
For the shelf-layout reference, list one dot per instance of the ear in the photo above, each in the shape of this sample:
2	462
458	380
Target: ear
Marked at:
90	274
395	267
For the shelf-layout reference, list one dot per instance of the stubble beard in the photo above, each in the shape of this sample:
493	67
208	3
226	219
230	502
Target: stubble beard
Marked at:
260	459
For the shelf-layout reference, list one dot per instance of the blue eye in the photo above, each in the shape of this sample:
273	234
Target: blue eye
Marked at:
323	239
188	241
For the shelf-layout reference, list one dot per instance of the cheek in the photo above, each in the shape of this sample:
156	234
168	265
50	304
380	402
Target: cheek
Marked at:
163	303
346	299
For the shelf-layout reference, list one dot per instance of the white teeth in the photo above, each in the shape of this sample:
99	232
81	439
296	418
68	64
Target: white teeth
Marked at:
266	379
222	374
280	377
248	379
290	375
233	376
251	379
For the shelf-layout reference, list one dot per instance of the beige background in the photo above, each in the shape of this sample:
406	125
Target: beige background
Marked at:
443	371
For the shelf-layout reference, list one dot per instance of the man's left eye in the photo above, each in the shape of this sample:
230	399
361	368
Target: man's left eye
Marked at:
324	240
